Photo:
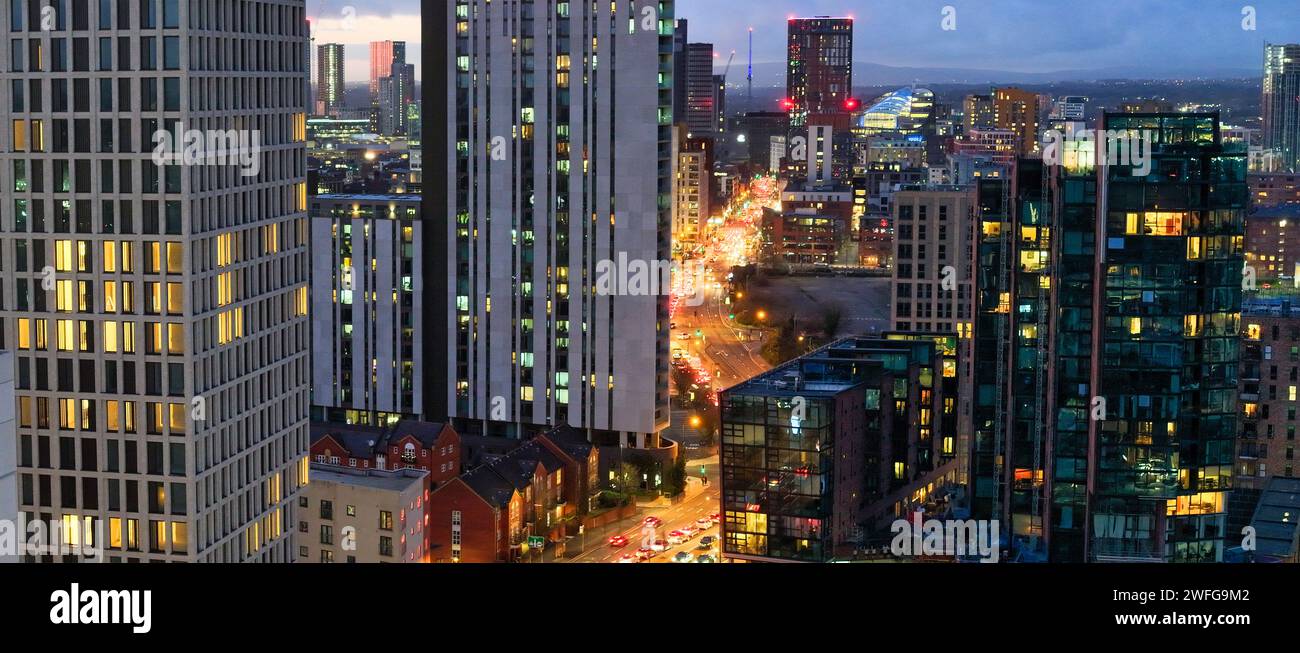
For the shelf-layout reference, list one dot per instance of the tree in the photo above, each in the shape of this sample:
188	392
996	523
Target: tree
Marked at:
832	320
783	346
628	478
675	484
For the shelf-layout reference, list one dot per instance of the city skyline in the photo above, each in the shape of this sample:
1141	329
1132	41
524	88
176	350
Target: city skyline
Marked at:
887	34
573	288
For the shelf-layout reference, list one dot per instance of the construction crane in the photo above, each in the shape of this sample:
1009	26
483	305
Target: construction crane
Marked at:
727	71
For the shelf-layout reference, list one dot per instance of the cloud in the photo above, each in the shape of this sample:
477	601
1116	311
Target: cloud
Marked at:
1020	35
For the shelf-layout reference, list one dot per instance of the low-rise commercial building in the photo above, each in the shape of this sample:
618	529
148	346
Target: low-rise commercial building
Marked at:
820	455
363	516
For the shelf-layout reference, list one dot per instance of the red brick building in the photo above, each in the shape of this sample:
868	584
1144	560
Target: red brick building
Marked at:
540	488
1273	244
1275	189
430	447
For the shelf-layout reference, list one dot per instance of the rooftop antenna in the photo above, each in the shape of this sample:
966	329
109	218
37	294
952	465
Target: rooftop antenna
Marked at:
750	101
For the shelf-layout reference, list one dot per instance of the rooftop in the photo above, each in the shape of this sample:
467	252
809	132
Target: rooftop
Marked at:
391	481
1277	518
343	197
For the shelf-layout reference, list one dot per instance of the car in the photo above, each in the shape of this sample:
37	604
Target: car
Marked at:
683	556
683	336
690	531
653	521
716	517
618	541
708	541
659	545
627	558
677	537
645	553
706	558
704	523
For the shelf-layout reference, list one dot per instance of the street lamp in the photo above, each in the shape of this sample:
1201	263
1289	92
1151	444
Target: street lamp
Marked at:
762	316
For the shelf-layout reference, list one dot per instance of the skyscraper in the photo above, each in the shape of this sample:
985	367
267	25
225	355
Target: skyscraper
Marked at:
701	104
1281	105
720	108
157	303
367	338
395	93
979	113
559	177
383	54
330	79
692	186
8	451
1018	111
819	75
681	37
931	282
1108	310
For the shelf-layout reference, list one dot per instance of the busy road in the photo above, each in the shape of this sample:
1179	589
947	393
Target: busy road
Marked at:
685	532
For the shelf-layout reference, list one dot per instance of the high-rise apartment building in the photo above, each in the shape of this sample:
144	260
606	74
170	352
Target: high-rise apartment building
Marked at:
692	187
560	179
1272	248
1275	189
1108	310
1019	112
8	450
157	301
1269	378
720	107
819	66
700	106
1281	103
395	93
367	341
932	240
383	54
681	39
979	113
330	79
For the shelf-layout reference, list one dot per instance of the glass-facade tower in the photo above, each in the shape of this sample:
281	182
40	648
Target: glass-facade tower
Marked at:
1106	336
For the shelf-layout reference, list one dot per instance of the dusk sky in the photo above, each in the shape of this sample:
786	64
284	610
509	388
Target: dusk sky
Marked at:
1013	35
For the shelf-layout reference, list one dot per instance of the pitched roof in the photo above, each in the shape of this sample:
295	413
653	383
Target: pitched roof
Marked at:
571	441
359	441
426	432
365	441
489	485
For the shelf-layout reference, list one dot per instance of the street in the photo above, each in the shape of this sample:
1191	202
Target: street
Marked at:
703	502
726	352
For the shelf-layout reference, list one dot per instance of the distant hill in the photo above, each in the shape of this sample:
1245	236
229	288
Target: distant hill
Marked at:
873	74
